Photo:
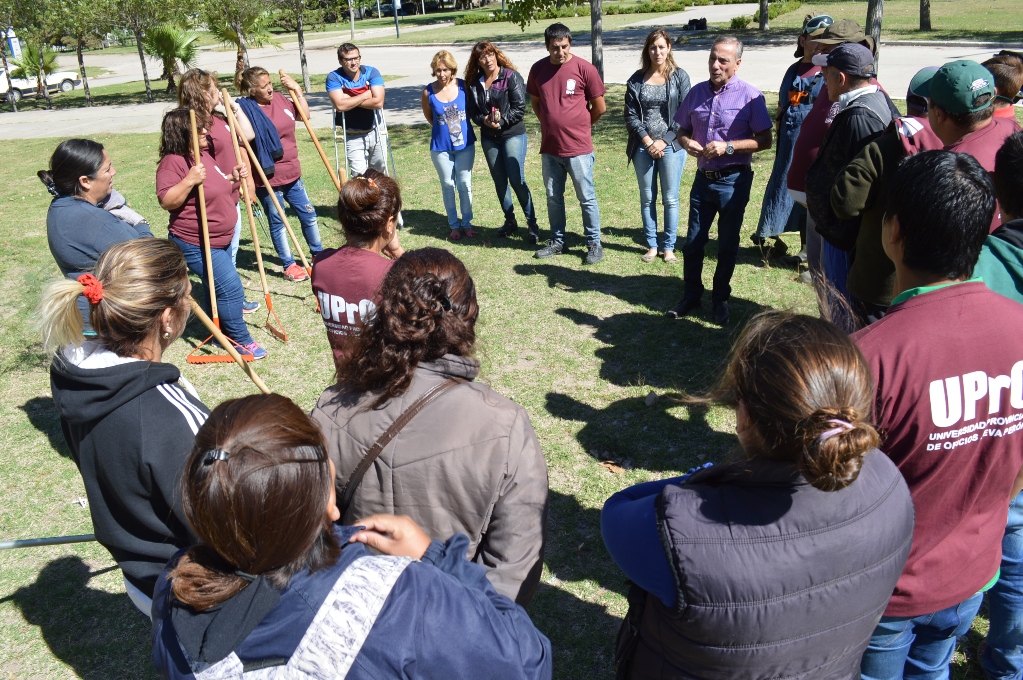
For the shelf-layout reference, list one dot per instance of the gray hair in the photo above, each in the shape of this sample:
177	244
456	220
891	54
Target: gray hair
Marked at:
731	40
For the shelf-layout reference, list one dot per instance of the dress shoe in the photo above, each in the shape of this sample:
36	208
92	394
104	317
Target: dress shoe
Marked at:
721	313
682	308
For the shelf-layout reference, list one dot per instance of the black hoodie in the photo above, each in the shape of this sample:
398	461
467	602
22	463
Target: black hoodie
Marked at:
130	428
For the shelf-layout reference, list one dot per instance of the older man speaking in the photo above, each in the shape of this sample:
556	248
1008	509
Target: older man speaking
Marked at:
723	122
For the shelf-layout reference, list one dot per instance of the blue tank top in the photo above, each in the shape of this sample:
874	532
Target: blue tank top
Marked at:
452	130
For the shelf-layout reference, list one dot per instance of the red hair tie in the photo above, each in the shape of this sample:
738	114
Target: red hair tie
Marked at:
93	288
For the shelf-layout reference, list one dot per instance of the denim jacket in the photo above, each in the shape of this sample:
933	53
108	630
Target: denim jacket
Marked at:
678	88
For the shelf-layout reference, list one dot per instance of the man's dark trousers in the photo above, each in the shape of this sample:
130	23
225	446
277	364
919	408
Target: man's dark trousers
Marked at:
726	196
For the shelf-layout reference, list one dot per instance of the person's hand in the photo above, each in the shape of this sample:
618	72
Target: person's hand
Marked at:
392	535
289	82
693	148
197	175
656	149
243	171
491	123
714	149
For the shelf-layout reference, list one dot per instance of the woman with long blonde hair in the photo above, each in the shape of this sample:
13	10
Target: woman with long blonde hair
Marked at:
653	94
497	104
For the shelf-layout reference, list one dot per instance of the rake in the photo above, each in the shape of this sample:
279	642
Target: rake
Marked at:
316	142
194	357
276	330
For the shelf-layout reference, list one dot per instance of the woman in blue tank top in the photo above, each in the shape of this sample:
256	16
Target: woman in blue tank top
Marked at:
453	142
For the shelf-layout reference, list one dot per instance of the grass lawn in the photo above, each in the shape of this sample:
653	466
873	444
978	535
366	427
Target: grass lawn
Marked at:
579	348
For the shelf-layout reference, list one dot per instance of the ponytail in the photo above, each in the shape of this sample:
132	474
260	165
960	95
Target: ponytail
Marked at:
60	321
834	443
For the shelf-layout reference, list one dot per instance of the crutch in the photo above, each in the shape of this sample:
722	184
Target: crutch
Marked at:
384	137
316	142
277	331
226	343
277	204
344	144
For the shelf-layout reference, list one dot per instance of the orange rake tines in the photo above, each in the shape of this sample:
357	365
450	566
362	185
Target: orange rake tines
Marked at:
278	330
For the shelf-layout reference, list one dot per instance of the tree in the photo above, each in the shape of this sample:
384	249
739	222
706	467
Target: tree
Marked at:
240	23
875	10
8	10
171	45
925	15
36	19
597	35
138	17
294	15
765	16
35	64
84	23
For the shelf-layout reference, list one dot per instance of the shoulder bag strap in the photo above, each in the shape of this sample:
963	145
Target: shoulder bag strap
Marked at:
348	493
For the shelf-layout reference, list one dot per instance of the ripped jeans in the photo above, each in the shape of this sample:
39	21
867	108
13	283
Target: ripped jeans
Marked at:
294	193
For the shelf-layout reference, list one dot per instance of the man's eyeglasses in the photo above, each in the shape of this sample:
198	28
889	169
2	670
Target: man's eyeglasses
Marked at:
817	23
352	60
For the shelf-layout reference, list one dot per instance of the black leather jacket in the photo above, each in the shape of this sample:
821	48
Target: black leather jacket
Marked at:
508	94
678	88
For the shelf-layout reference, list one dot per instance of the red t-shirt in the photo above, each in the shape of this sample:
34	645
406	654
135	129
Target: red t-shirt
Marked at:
221	200
948	371
221	147
983	144
281	113
346	281
564	91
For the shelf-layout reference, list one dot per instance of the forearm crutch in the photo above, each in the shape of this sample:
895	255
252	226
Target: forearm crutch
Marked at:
232	353
277	331
226	343
344	143
277	204
316	142
389	168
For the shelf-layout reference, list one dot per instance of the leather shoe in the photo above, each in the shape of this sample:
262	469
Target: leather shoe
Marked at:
508	228
683	308
721	313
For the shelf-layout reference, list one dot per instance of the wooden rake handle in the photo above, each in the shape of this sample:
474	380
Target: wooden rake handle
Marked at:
205	225
228	345
316	142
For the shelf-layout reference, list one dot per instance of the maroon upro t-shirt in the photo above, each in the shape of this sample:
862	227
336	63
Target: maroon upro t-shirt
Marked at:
948	370
564	91
346	281
221	200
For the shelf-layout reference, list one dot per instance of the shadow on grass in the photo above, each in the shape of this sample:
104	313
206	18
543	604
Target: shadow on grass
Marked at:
42	413
83	627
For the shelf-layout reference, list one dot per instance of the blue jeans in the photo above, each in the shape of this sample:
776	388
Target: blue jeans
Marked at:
1003	656
918	647
580	169
667	171
507	161
727	197
230	294
454	168
777	212
294	193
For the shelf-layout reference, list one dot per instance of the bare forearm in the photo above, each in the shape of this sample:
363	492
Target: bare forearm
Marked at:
176	195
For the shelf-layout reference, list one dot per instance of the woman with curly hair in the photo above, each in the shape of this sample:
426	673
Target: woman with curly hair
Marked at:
485	477
780	563
497	104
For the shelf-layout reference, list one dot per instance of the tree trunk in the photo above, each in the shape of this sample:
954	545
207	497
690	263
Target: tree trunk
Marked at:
378	9
301	48
765	16
925	15
242	44
7	72
145	71
351	17
875	10
239	66
81	68
597	35
396	4
42	78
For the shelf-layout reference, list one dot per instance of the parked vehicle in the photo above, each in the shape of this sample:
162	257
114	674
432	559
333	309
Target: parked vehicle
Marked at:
61	81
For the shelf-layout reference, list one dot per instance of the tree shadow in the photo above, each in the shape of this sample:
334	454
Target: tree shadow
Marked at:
43	415
84	627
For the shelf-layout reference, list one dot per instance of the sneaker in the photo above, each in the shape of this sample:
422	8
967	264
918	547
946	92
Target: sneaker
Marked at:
249	307
551	249
252	348
507	228
295	273
594	253
721	313
682	308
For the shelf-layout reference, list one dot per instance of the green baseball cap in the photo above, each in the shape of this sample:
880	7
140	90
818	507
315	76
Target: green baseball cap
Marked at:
957	86
843	31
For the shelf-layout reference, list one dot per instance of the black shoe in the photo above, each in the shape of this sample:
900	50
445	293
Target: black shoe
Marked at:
792	260
534	235
594	253
508	228
721	313
683	308
551	249
778	250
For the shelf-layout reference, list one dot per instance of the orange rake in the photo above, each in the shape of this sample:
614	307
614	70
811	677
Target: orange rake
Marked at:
276	330
232	353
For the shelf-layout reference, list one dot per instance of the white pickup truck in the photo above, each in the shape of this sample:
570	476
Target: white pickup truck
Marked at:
65	81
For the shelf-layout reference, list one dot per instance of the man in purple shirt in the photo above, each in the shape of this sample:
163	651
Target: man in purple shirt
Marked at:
724	121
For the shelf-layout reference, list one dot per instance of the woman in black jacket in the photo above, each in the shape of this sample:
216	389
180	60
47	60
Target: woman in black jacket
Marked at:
652	96
129	419
497	105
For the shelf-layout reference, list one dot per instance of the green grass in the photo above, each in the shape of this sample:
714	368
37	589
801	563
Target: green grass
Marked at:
579	348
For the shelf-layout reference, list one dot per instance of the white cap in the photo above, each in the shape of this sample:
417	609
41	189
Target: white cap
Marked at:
820	59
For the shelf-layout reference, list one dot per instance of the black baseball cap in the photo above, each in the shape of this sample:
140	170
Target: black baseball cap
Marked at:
850	58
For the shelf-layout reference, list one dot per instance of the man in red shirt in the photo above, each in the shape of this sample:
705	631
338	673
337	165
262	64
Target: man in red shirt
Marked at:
947	362
567	96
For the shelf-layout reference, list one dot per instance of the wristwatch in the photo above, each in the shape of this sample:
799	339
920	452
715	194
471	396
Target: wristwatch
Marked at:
729	149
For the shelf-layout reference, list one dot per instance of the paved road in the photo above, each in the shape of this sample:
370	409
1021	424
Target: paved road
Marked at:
762	65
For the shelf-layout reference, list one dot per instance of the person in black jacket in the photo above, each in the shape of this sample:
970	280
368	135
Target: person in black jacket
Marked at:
780	564
497	105
864	111
128	419
652	97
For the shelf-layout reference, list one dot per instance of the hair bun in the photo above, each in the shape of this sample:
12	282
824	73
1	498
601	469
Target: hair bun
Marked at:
834	443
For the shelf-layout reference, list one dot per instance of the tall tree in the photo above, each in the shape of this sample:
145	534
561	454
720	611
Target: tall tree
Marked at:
295	15
597	35
138	16
83	22
765	16
925	15
242	23
875	10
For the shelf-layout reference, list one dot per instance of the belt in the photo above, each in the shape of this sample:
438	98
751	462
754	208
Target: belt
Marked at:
723	172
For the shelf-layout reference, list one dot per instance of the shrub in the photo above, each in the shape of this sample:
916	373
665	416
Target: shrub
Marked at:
776	9
741	23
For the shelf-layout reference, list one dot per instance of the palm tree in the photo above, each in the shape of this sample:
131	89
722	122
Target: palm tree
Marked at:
28	65
171	45
243	31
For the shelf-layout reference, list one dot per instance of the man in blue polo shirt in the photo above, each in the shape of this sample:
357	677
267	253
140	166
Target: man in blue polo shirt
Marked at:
357	93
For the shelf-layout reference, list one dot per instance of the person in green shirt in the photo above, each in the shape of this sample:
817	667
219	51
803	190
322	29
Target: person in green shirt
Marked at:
1001	260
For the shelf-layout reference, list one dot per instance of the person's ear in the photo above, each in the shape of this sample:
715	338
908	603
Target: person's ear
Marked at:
891	237
742	420
166	329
